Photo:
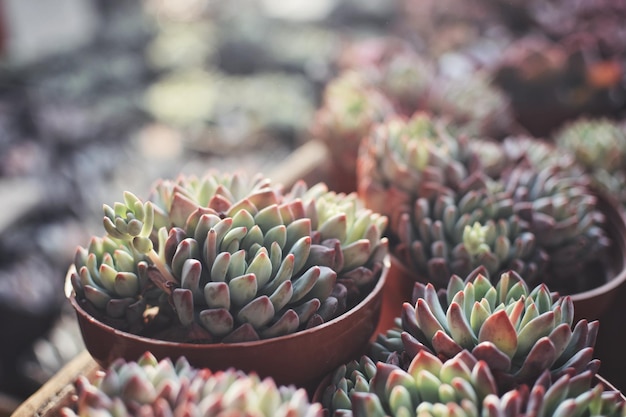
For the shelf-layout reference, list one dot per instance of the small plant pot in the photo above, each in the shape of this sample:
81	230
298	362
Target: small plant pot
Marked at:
301	358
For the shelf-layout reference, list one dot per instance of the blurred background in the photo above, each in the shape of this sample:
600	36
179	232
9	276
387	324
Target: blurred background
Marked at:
101	96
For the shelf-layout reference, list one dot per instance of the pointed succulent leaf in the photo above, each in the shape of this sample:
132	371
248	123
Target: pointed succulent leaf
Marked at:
288	323
217	295
183	303
218	321
126	284
261	267
498	330
242	289
257	312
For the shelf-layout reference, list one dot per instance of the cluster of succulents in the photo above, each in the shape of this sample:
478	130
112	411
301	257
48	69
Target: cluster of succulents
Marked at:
159	388
455	203
477	349
459	386
228	258
391	80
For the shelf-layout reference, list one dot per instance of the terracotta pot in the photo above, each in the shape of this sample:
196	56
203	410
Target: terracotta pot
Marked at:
301	358
606	302
594	303
398	290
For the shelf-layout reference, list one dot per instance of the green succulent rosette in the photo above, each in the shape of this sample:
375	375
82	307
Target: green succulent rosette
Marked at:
148	387
599	145
459	386
351	105
518	332
404	158
561	210
455	232
226	258
473	102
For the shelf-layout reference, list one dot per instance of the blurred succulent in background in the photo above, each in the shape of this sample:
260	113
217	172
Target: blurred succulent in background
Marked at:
473	102
227	258
406	78
350	106
518	332
455	202
550	81
446	215
599	145
150	387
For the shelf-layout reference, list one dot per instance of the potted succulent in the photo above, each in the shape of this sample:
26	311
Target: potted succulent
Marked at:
151	387
455	202
233	271
477	349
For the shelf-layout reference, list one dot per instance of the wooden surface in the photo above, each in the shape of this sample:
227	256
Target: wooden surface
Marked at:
308	162
57	392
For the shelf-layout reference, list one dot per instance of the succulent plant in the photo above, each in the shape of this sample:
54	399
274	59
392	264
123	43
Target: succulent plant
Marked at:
552	80
406	77
148	387
599	145
350	106
455	233
447	216
474	102
404	157
459	386
229	258
563	213
518	332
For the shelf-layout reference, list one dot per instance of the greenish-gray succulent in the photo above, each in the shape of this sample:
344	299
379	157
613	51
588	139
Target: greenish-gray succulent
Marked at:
518	332
473	102
404	158
351	105
561	210
599	145
459	386
454	233
477	349
229	258
521	205
149	387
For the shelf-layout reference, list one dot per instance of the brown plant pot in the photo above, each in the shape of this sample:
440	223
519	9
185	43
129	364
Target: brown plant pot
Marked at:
594	303
606	302
398	290
301	358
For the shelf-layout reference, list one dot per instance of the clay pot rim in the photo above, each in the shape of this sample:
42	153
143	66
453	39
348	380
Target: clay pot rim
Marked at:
615	219
375	292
